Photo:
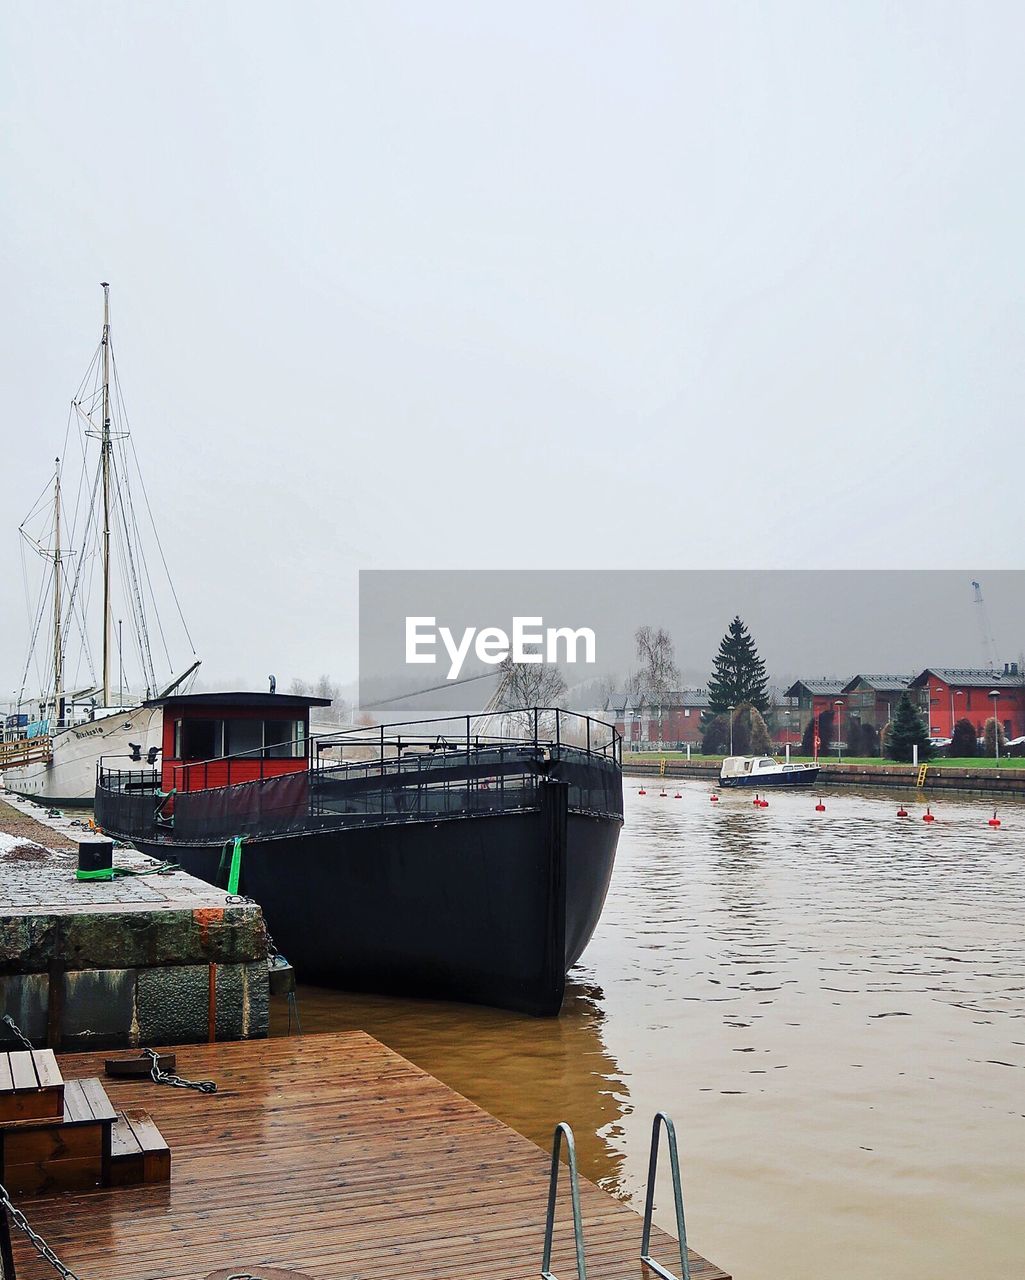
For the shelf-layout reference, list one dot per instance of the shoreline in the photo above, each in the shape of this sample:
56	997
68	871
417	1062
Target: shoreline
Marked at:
900	776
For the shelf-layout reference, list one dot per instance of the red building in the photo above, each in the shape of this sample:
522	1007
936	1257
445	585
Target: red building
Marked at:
813	696
872	699
647	725
948	694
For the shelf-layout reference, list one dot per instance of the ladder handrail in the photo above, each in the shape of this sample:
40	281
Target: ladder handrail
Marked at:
649	1204
562	1130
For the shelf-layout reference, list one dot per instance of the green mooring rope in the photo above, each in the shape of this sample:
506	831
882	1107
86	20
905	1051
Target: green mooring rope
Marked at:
228	872
236	866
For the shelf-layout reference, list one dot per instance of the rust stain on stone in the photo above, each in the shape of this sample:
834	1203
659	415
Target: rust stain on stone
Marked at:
204	918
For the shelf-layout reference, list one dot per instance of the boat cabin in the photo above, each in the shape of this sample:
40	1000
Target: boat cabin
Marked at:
739	766
220	739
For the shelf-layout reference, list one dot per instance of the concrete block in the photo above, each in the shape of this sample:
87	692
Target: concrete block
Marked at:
243	1003
25	997
173	1004
257	1001
99	1009
230	1001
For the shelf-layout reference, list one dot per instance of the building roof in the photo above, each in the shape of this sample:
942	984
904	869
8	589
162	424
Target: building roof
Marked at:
969	678
818	688
675	698
881	684
276	701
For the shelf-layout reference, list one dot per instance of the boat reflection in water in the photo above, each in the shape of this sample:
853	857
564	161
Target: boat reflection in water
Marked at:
531	1072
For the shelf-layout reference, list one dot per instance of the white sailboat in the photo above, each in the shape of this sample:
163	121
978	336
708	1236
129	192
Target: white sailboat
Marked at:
50	752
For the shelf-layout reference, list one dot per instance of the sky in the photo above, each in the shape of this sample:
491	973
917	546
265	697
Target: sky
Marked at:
575	286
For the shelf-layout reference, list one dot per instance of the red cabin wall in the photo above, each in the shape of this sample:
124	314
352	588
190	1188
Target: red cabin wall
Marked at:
199	775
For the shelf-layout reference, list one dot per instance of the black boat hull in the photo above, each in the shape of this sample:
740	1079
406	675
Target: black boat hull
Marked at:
490	909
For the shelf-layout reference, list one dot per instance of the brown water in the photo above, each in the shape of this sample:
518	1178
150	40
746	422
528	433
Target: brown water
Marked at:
830	1006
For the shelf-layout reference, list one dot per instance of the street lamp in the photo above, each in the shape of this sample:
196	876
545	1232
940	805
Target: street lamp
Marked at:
731	711
838	704
933	729
995	694
787	731
953	695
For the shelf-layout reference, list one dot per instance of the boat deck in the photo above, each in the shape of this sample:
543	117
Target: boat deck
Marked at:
329	1156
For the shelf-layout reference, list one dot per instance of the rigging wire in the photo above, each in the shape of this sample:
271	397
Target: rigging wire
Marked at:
149	509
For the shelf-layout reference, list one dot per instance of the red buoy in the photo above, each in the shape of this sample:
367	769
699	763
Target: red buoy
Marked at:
902	812
662	794
928	816
994	821
714	799
764	803
642	792
757	800
678	796
820	807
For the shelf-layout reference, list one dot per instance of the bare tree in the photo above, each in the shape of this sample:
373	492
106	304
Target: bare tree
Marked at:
658	673
531	684
324	687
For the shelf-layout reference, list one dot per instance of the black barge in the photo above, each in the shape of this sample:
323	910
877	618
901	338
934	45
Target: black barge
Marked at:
463	859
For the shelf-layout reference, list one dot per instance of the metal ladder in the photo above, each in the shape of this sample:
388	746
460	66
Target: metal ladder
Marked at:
563	1131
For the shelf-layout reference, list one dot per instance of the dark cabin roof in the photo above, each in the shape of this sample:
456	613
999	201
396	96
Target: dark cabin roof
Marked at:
818	688
881	684
969	678
276	701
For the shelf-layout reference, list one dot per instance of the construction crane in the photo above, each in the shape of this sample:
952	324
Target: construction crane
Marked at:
989	647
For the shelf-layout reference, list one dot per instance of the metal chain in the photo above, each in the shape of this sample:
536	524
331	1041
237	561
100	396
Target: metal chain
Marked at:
36	1240
167	1077
8	1021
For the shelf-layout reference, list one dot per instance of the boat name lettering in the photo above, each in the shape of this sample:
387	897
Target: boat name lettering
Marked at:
529	641
87	733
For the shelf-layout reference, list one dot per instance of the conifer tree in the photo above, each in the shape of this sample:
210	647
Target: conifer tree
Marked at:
963	740
738	674
907	728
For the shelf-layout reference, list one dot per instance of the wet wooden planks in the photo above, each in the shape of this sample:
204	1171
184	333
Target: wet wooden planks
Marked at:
333	1156
30	1086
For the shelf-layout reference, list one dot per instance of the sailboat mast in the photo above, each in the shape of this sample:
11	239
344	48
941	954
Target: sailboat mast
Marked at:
105	470
58	648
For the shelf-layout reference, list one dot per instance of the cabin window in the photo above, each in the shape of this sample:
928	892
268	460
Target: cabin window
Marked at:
243	737
176	754
283	738
201	739
766	764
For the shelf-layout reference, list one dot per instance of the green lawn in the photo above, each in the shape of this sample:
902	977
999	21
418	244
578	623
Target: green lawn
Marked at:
941	762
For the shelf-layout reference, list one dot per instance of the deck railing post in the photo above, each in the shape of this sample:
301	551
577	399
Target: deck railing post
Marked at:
649	1204
562	1130
382	771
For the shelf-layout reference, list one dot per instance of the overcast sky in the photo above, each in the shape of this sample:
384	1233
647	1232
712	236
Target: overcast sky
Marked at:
477	286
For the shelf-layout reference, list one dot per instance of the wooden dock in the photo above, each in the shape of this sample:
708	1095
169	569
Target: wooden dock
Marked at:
333	1157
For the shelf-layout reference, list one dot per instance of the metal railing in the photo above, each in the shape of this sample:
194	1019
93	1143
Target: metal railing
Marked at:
564	1133
403	772
649	1203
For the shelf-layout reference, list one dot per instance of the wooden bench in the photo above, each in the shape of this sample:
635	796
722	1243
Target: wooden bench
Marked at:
88	1144
72	1153
138	1152
31	1086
